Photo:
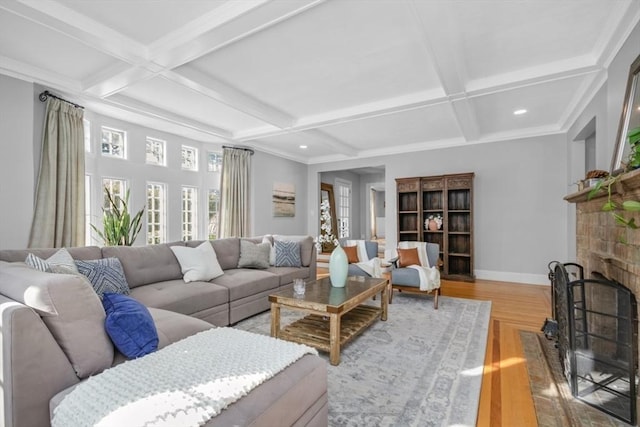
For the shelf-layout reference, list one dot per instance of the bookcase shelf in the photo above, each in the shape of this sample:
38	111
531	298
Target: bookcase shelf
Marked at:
451	197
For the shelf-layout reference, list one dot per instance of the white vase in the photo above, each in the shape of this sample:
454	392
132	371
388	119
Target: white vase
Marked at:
338	267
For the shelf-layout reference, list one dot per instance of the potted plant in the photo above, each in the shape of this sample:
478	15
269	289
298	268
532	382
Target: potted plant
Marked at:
118	228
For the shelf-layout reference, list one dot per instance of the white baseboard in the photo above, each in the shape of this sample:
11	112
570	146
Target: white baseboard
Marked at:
505	276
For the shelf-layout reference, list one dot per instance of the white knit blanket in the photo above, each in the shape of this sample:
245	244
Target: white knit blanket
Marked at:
183	384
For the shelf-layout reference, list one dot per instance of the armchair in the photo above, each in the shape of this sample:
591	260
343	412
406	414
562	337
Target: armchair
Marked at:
407	279
371	250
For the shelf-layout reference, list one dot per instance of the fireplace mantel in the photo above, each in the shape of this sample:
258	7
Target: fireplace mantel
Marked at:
627	183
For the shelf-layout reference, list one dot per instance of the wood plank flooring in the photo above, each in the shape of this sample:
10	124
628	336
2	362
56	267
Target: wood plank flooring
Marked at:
505	399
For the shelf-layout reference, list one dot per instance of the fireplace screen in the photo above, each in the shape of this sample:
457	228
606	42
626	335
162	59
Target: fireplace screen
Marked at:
603	346
595	324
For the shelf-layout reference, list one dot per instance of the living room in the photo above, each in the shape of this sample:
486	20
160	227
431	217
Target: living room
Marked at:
570	74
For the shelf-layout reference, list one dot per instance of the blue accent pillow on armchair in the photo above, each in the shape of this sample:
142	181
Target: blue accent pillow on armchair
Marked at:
129	325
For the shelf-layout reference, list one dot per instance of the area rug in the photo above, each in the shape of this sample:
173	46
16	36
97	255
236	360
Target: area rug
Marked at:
422	367
555	406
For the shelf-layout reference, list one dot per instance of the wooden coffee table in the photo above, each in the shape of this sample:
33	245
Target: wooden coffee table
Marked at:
336	315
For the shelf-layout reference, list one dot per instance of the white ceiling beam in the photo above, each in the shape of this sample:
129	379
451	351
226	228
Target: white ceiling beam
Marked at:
206	85
56	16
130	104
570	68
446	60
241	19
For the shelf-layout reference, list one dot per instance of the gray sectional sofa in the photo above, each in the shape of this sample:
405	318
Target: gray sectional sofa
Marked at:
50	325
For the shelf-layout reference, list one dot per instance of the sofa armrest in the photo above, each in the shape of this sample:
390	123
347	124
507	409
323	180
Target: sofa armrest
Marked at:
34	367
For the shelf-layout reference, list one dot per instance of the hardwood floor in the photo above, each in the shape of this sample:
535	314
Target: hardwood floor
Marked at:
505	399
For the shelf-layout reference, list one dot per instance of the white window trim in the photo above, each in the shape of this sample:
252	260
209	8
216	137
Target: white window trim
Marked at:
196	155
163	212
194	212
124	143
164	151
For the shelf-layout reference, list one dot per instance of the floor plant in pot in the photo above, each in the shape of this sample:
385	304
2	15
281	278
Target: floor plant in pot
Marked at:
118	227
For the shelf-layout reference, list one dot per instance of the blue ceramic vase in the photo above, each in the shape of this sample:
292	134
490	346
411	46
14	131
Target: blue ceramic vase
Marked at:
338	267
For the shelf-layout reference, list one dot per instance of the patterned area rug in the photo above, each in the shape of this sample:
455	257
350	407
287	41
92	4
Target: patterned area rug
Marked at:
422	367
555	406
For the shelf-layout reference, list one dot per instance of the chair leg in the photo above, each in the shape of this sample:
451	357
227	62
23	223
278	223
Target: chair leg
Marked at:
435	299
390	291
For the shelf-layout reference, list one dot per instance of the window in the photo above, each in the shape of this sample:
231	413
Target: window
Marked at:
214	207
214	162
156	211
189	213
87	210
113	142
86	124
155	151
189	158
343	190
117	188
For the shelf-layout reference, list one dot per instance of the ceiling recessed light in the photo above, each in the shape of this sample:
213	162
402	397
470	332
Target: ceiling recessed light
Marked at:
303	146
519	112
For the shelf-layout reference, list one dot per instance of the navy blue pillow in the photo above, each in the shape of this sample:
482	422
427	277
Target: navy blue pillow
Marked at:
129	325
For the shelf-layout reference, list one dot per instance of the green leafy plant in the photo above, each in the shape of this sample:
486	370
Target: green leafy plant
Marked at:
118	228
633	137
616	208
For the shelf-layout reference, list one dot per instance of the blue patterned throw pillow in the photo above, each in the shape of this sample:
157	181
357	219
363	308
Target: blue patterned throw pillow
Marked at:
105	275
129	325
287	254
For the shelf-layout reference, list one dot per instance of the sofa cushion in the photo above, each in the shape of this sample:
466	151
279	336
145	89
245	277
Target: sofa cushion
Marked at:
254	255
105	275
69	307
199	263
287	274
129	325
287	254
174	295
61	261
146	264
245	282
306	246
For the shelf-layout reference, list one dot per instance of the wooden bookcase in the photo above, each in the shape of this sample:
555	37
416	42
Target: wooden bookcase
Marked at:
451	197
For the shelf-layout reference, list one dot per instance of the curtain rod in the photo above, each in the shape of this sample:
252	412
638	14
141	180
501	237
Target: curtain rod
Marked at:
44	95
250	150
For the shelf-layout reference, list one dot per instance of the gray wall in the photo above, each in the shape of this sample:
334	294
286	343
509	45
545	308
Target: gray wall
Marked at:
267	170
606	108
520	215
17	170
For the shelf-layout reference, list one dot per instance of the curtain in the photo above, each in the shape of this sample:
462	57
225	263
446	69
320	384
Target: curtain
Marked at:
234	193
58	218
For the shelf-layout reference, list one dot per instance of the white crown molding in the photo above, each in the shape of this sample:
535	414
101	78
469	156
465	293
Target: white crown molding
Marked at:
33	74
585	93
621	23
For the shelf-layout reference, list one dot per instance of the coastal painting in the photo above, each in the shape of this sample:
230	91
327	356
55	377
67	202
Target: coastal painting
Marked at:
284	199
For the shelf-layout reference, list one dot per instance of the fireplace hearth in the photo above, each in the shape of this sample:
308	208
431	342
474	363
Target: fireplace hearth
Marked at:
597	339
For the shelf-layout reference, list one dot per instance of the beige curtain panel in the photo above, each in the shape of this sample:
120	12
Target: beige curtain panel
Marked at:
58	219
234	193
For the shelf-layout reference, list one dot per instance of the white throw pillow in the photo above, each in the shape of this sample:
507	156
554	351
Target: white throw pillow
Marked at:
199	263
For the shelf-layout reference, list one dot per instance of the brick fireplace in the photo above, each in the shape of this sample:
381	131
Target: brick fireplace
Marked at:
605	248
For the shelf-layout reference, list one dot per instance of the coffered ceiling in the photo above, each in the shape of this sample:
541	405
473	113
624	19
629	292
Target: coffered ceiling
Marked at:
345	78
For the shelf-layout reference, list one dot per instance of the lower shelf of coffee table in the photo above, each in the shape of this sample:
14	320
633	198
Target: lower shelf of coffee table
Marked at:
313	330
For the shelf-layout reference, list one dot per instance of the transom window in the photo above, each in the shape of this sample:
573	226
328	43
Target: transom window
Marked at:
214	207
214	162
155	152
113	142
156	213
189	158
117	187
343	190
189	213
